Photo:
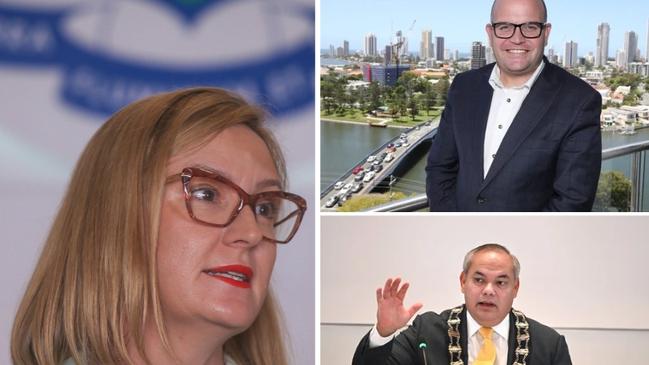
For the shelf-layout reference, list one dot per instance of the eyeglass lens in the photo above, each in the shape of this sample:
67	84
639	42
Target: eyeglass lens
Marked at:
215	202
529	30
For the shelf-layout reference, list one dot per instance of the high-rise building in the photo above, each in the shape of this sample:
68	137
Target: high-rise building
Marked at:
570	55
370	45
601	56
621	59
332	50
489	56
647	50
439	48
426	49
340	52
345	48
630	46
388	54
477	55
403	50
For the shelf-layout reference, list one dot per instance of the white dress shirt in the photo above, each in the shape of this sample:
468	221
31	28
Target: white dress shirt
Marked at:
499	337
505	104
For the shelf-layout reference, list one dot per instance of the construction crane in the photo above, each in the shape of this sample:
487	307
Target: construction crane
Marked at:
396	48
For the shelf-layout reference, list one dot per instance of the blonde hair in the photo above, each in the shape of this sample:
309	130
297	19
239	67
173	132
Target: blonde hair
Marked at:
95	283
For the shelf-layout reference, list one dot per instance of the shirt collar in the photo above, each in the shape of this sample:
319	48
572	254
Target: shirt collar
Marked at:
494	78
502	328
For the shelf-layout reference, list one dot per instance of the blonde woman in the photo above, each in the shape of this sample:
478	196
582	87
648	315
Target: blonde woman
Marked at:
164	244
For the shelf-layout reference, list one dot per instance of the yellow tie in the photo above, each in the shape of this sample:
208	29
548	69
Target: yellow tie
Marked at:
487	354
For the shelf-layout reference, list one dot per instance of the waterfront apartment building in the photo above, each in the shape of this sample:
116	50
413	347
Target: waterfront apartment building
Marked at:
370	45
477	55
601	55
570	58
640	68
426	48
346	48
439	48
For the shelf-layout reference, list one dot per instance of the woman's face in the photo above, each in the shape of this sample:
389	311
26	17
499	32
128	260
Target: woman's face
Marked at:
194	258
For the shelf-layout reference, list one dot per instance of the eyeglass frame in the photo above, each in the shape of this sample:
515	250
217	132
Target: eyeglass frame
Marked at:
519	26
245	199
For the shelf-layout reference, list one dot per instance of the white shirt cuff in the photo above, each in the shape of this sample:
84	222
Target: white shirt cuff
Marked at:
376	340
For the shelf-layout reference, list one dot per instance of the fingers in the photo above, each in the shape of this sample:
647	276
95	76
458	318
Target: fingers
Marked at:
402	292
392	289
395	287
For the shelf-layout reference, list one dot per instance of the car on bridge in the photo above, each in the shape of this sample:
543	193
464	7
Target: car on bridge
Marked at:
339	185
370	158
359	176
389	157
369	176
357	187
332	201
357	169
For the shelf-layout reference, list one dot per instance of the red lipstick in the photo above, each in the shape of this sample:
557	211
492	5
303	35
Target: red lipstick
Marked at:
235	275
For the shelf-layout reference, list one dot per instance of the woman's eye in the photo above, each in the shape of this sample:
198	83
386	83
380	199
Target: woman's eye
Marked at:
267	209
205	194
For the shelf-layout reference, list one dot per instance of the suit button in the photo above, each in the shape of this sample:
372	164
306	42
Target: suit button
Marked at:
481	200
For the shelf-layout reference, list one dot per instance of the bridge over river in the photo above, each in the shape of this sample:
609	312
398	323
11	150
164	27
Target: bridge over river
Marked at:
414	137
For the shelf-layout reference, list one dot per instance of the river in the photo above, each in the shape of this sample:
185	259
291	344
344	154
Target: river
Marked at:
343	145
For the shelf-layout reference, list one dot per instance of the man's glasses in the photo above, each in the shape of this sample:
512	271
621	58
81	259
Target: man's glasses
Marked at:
528	30
214	200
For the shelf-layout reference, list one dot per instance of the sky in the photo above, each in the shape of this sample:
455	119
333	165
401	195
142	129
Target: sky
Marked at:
462	22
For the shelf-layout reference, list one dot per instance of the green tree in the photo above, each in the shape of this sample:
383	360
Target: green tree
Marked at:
374	94
613	193
441	89
413	107
429	97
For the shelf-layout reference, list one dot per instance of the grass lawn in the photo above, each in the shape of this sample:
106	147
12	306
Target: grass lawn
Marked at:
356	115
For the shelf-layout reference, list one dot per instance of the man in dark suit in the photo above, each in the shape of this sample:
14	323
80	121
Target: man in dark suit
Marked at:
518	135
486	330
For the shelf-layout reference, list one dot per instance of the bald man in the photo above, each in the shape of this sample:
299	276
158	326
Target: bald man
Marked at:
519	135
485	330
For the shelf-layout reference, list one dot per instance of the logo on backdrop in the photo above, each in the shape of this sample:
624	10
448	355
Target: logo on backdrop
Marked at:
99	76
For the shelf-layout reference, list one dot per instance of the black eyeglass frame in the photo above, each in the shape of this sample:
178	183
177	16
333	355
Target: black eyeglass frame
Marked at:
519	26
244	199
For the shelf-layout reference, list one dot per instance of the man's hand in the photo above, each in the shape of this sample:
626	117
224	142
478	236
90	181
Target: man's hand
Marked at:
391	314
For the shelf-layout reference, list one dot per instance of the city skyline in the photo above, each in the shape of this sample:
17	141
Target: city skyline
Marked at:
341	21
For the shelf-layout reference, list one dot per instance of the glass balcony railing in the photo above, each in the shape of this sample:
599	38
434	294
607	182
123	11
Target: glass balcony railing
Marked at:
623	183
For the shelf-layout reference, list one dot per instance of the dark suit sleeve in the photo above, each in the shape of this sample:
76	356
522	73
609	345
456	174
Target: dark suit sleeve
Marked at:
400	350
579	161
442	164
429	328
561	354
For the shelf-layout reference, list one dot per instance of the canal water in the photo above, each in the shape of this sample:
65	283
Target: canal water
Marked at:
343	146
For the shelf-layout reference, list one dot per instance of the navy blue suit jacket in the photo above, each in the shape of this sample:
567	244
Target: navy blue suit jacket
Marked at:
549	159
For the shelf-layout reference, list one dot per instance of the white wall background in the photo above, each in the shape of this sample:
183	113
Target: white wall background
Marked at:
41	135
585	276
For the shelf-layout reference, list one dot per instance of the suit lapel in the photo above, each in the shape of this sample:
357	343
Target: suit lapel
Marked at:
511	342
480	115
528	117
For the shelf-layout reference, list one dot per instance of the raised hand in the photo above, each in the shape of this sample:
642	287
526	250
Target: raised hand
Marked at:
391	313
